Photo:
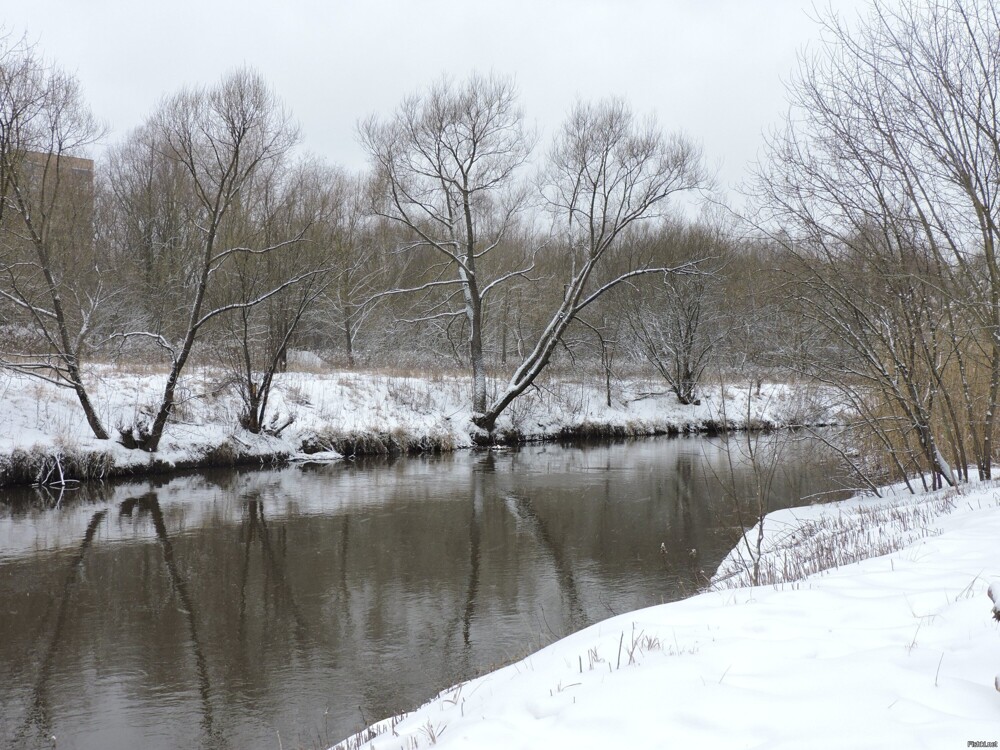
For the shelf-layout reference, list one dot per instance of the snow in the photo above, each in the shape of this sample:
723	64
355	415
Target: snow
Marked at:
895	650
898	650
419	410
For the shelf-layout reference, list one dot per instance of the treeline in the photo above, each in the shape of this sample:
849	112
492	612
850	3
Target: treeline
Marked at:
204	236
866	259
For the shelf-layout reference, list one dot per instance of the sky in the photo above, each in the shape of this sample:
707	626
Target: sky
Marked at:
715	70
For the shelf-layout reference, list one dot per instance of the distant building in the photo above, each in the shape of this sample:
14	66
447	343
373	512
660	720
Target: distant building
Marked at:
78	170
63	187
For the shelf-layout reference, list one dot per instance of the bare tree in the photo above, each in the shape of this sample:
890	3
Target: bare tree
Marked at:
892	155
766	333
606	173
216	146
678	322
256	337
608	334
154	233
51	281
351	240
447	165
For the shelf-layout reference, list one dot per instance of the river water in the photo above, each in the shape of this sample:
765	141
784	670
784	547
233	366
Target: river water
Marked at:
287	608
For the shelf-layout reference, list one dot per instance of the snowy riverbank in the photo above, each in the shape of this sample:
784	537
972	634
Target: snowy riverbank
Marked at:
43	432
893	651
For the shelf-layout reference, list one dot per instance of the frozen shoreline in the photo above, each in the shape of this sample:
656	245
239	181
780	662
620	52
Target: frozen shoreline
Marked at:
44	438
891	651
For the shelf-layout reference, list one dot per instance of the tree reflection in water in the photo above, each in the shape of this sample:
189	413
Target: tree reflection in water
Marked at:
220	610
38	715
148	504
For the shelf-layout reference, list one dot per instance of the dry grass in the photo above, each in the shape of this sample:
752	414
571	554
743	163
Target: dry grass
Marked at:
395	443
373	732
58	466
832	540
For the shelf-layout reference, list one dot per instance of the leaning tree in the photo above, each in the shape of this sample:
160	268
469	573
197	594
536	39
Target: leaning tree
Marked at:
607	171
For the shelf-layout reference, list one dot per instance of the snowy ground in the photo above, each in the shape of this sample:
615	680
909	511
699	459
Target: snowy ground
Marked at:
328	407
896	651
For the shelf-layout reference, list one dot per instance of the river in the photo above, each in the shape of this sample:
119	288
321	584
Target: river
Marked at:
286	608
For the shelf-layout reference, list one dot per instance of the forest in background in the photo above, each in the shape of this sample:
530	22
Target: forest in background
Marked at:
865	258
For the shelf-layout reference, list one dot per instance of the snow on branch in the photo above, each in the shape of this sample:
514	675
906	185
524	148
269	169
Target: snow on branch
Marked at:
436	316
410	290
156	337
521	272
215	312
686	268
218	258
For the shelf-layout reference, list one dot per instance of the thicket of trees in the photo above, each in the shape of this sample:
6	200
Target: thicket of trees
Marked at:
883	190
868	260
202	236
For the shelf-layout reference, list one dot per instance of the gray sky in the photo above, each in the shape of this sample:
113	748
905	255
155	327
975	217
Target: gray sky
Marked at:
713	69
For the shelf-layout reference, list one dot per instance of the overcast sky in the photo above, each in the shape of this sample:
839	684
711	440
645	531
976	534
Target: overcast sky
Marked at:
713	69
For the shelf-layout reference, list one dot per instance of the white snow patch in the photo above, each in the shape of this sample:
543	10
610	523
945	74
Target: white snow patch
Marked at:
419	410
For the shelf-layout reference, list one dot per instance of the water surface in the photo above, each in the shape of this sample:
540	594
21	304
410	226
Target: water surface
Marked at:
287	608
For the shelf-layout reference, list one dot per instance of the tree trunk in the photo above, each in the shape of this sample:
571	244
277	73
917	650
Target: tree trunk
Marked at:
151	442
69	356
88	407
348	340
476	359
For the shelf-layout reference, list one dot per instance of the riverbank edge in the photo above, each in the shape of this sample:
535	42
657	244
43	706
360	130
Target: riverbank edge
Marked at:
906	521
325	416
61	464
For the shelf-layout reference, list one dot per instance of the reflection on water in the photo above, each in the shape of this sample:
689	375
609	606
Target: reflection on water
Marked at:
287	608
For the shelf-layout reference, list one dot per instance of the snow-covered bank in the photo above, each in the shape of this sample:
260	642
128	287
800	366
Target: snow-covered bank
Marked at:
43	433
893	651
